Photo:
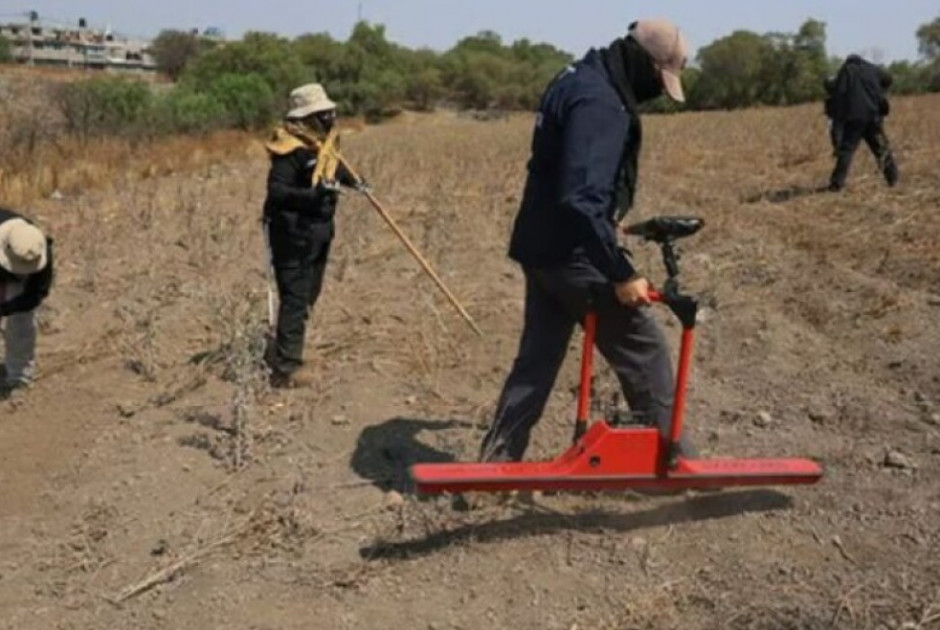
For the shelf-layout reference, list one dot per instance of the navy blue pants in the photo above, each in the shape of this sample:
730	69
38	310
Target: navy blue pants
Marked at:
629	339
852	134
298	286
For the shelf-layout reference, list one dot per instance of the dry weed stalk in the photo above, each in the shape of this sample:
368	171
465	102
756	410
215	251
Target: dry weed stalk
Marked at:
243	332
170	571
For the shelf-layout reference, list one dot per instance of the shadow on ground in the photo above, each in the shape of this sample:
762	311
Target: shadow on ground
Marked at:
385	452
545	522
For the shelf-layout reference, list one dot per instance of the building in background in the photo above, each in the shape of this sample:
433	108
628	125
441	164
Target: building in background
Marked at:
45	43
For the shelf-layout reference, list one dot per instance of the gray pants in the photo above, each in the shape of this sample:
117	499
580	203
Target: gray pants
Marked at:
556	301
19	339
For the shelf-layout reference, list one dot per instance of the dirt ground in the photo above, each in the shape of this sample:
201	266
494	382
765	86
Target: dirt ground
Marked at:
149	480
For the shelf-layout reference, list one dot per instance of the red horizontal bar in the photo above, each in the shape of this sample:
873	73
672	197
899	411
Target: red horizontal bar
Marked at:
613	459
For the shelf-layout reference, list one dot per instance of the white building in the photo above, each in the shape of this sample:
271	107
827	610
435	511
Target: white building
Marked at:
39	42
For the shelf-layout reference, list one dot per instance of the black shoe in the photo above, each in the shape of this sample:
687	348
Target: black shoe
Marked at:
9	387
279	380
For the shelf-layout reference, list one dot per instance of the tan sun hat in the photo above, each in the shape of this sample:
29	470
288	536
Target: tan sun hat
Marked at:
22	247
667	46
309	99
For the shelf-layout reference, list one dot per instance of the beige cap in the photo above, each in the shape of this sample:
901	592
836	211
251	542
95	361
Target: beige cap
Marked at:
22	247
309	99
667	46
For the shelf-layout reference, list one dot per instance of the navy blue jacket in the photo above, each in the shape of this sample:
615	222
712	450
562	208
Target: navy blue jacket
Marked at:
859	92
299	217
570	195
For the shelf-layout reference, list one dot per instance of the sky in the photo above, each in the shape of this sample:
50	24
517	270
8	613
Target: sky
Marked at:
880	30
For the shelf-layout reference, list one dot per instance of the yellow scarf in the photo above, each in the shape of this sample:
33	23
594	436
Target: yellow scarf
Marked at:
292	136
283	142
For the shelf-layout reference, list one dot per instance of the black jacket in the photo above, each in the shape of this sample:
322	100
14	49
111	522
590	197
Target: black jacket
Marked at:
37	285
829	105
570	197
299	217
859	92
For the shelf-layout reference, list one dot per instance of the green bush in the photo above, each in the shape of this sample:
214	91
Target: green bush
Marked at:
481	72
174	50
244	84
247	100
106	106
183	110
6	50
267	55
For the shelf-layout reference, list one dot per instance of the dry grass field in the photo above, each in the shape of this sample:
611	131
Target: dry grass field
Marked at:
150	480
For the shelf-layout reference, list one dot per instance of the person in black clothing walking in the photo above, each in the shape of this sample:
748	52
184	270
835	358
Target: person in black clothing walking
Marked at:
25	280
858	107
298	218
582	176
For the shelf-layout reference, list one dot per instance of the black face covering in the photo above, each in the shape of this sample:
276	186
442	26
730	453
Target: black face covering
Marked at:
321	122
632	70
636	79
326	120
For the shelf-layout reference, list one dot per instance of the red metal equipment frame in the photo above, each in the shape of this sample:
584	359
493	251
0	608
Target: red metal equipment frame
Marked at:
605	457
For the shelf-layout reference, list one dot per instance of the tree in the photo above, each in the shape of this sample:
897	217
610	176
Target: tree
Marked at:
380	68
928	38
424	80
731	71
482	42
370	38
320	53
481	72
265	54
6	50
174	50
247	100
811	38
745	69
533	68
105	106
183	110
796	66
908	78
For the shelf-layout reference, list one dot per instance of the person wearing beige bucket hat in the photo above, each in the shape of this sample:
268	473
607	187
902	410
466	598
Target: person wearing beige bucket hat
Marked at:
582	176
299	225
25	280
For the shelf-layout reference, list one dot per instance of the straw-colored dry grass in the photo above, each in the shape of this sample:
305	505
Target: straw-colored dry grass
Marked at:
68	166
149	439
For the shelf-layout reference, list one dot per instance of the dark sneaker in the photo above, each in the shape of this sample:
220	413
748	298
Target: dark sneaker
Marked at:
891	176
8	387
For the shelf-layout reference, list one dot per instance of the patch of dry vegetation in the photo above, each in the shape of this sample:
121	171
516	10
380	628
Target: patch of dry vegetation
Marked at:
184	485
